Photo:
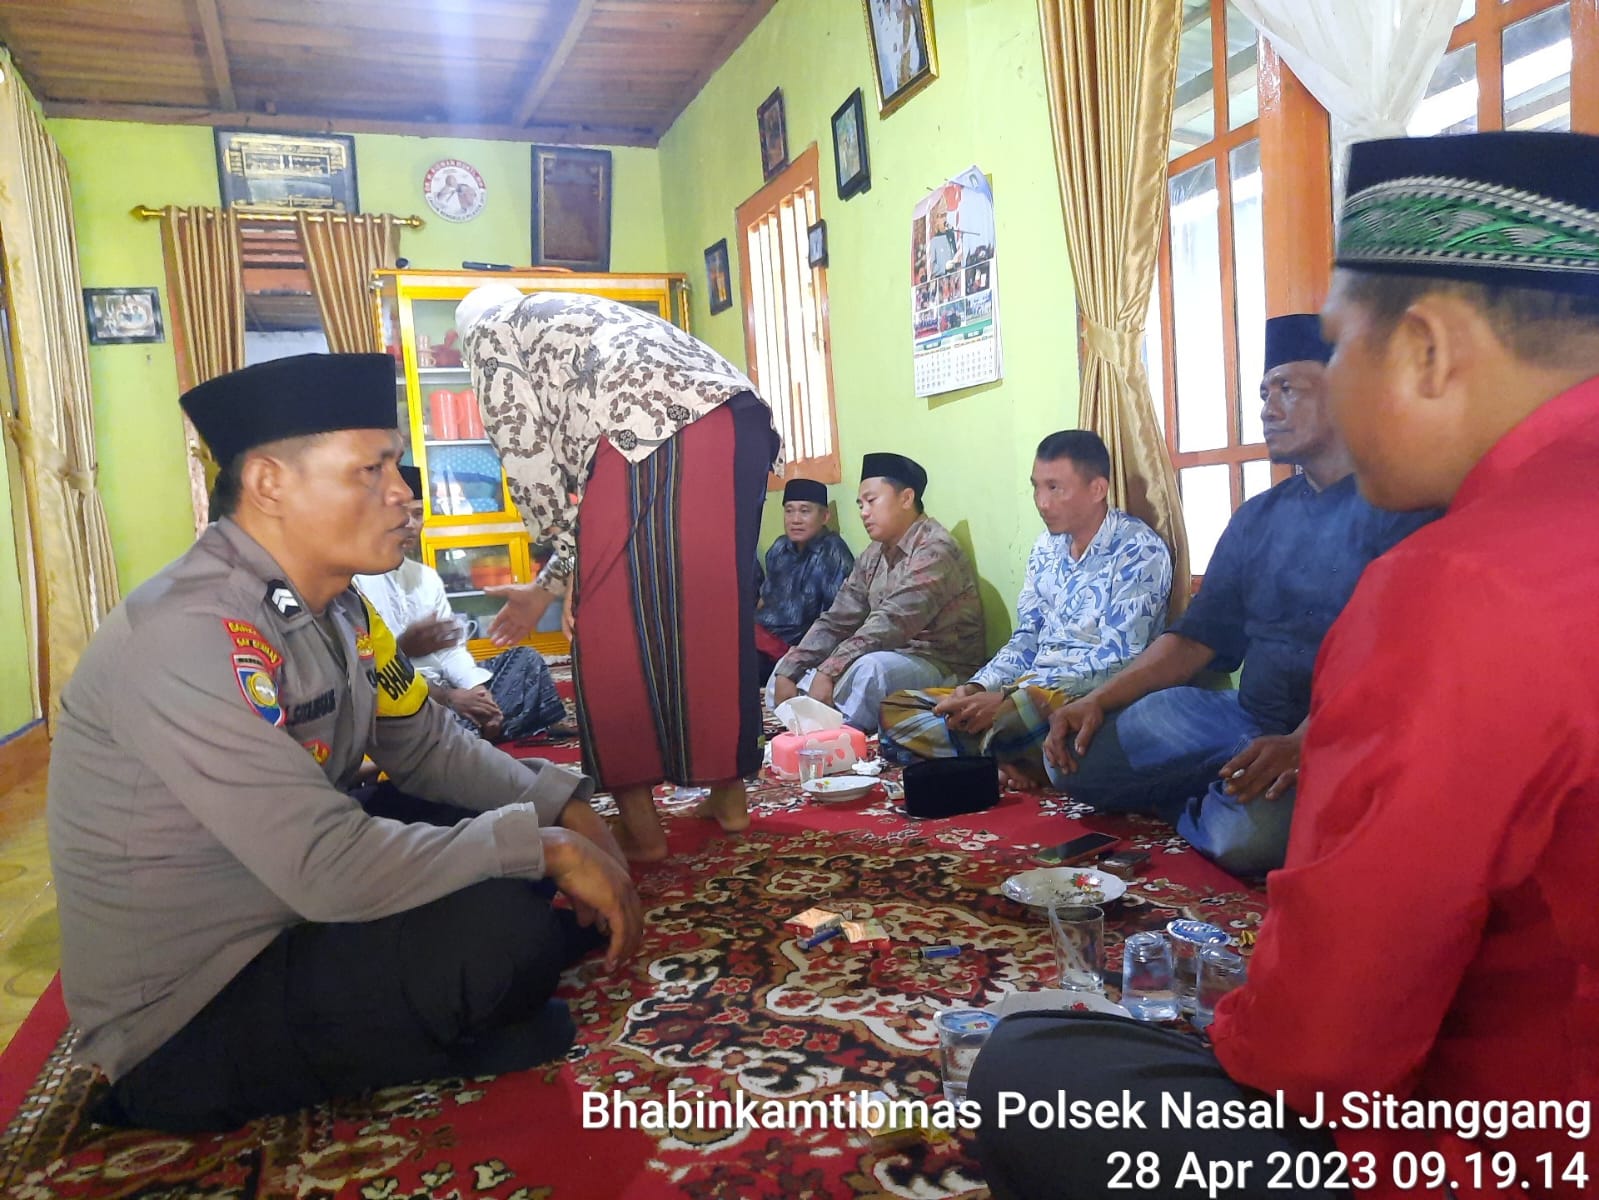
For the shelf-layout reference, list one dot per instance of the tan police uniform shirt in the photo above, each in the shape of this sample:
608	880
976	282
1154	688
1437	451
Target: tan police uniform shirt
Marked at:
196	802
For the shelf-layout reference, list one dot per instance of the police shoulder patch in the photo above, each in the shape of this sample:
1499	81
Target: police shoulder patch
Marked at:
258	688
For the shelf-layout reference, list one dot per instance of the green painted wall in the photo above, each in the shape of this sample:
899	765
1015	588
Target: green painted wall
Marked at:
987	107
117	165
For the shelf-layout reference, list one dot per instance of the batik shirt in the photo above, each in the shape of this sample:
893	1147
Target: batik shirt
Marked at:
557	372
1079	621
918	596
799	583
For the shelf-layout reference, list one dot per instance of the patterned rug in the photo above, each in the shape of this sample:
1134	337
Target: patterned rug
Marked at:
721	1004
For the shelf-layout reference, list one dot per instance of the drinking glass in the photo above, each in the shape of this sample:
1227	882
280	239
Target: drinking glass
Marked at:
961	1034
1221	970
1078	932
813	764
1149	985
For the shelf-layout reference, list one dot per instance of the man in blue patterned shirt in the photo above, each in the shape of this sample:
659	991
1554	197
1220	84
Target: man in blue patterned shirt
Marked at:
804	570
1223	766
1097	585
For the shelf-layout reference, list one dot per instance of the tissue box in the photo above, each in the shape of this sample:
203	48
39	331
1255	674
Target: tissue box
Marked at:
848	747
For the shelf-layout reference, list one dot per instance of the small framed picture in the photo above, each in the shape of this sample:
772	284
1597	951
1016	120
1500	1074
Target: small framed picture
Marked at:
816	244
904	57
314	171
718	277
120	316
850	164
774	134
572	208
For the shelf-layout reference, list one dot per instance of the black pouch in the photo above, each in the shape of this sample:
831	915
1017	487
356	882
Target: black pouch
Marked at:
947	787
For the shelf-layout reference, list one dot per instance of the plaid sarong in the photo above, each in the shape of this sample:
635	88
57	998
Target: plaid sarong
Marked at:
908	730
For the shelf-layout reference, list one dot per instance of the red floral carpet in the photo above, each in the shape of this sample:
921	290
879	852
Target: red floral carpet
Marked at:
721	1003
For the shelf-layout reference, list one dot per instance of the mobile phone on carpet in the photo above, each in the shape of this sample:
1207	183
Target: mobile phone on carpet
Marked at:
1090	845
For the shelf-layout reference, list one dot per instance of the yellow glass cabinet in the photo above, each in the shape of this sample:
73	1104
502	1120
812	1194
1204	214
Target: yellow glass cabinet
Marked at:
472	534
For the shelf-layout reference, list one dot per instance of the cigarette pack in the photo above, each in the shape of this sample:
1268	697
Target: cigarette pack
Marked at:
811	921
868	933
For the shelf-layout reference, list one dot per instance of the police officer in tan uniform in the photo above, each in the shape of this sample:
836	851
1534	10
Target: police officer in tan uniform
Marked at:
239	936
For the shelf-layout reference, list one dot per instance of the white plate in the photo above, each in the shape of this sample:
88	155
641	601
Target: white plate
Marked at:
1053	1000
837	789
1046	886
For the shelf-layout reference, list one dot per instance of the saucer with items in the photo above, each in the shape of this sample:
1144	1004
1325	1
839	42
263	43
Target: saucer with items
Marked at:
839	789
1049	887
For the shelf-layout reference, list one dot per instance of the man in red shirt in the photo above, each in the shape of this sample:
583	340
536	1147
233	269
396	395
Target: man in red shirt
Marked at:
1426	983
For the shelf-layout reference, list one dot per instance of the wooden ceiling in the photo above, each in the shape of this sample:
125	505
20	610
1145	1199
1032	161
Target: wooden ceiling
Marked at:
612	72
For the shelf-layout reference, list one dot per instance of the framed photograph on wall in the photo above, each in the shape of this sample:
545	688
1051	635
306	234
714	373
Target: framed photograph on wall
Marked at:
816	244
121	316
904	56
774	134
314	171
718	277
850	164
572	208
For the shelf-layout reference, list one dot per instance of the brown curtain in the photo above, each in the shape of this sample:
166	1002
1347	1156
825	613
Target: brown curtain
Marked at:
54	425
341	253
1111	69
205	287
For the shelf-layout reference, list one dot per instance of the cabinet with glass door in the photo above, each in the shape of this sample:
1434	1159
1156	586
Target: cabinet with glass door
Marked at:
472	534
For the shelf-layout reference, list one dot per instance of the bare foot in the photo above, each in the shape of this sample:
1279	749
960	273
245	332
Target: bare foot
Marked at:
727	805
639	833
636	851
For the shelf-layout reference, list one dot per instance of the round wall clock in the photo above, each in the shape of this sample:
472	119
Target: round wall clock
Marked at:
454	189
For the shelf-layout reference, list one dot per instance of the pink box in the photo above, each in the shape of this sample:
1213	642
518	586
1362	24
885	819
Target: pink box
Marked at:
848	747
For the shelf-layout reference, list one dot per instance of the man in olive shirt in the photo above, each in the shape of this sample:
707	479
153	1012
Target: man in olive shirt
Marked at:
908	616
238	935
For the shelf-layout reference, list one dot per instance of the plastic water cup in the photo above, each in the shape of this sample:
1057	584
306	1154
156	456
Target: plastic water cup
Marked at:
961	1034
1221	970
1078	932
1188	938
813	764
1149	984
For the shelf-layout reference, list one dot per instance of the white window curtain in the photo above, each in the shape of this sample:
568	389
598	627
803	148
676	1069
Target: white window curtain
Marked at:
1367	61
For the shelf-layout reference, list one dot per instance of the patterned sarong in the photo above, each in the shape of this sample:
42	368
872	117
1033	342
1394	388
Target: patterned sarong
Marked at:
908	730
664	658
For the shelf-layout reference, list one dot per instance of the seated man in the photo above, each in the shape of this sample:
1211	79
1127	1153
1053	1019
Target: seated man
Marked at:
511	696
804	570
238	936
907	616
1424	986
1095	595
1221	765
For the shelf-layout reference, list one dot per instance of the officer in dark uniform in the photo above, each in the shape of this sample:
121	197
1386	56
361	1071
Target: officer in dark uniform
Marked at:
238	935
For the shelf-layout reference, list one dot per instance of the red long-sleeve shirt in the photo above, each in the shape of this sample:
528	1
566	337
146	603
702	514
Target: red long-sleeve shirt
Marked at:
1434	933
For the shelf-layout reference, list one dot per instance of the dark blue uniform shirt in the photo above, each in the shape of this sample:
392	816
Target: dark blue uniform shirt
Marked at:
1286	565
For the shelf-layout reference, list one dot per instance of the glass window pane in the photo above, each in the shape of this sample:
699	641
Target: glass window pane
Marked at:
1243	100
1537	71
1450	105
1207	507
1249	287
1155	355
1468	9
1193	118
1196	302
1257	477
